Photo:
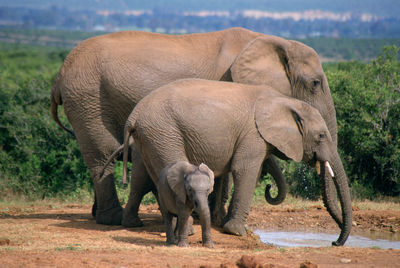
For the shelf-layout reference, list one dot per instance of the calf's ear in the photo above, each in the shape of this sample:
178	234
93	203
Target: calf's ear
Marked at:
176	178
204	168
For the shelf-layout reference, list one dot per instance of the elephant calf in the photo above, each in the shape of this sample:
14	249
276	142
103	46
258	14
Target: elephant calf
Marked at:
182	188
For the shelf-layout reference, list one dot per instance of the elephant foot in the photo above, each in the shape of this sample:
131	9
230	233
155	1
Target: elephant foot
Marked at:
171	242
208	244
131	221
217	218
94	209
234	227
183	244
111	216
190	229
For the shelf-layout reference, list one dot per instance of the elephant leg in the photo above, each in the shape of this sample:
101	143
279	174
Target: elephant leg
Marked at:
169	225
94	207
109	210
183	225
95	151
219	197
141	184
246	169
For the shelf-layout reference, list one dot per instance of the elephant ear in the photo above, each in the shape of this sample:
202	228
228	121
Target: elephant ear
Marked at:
280	125
204	168
265	61
176	175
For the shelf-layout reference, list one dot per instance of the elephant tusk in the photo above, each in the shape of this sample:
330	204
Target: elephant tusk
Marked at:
328	166
318	167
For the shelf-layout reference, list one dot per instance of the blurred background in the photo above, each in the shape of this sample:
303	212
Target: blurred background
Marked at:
357	41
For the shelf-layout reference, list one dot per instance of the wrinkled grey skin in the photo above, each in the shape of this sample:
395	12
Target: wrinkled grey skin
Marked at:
232	128
182	188
104	77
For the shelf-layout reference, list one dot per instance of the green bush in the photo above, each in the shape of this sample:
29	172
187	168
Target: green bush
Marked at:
367	101
37	158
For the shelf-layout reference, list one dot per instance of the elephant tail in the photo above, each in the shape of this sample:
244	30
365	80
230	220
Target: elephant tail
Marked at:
112	157
127	139
56	100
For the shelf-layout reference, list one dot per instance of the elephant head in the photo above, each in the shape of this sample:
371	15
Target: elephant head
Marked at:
297	131
290	67
191	186
295	70
191	183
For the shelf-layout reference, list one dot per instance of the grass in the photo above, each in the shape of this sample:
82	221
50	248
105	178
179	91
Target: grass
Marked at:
85	197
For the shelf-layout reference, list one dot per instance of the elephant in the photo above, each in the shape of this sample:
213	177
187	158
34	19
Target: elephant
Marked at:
182	188
104	77
234	128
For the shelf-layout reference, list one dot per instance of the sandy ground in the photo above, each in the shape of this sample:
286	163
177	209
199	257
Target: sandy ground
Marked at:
65	235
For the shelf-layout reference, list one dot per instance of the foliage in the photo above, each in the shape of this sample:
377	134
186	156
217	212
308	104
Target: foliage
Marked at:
329	49
367	101
37	158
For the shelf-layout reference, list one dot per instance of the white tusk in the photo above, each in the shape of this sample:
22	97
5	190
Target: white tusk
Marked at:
329	169
318	167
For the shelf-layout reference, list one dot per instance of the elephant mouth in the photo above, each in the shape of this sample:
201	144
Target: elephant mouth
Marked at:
318	163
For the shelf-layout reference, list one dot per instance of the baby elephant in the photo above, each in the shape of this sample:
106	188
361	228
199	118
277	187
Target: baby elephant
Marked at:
182	188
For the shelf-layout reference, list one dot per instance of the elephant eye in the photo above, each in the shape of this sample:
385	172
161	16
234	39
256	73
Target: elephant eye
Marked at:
322	136
316	83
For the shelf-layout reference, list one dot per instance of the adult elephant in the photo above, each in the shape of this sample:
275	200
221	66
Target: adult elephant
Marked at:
233	127
104	77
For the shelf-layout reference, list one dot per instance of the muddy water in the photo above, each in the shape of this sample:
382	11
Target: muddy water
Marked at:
303	239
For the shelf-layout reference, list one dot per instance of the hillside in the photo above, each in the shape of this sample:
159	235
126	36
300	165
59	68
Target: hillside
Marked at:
379	8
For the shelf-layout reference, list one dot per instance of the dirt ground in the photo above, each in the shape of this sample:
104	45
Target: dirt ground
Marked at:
65	235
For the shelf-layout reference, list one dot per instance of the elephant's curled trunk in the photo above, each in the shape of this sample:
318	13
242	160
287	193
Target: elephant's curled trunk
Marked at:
272	167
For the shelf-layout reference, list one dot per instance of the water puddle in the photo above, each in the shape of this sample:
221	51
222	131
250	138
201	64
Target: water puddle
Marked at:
303	239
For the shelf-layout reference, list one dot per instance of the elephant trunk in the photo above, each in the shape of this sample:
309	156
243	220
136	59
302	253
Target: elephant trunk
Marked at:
341	183
273	168
202	209
329	195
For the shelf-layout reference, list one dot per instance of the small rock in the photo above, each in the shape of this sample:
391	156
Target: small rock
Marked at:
344	260
4	242
247	261
227	265
308	264
354	223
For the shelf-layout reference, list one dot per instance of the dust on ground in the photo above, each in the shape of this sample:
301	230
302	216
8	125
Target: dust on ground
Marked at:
65	235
